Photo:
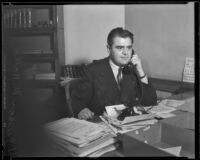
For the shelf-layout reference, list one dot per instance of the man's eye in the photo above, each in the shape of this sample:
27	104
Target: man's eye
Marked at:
119	47
130	47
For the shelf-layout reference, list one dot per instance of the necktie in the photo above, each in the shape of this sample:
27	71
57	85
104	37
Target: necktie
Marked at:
119	77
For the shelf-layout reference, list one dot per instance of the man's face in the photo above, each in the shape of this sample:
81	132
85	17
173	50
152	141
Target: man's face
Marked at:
121	50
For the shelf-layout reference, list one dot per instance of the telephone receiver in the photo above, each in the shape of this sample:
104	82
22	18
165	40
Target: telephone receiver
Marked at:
129	67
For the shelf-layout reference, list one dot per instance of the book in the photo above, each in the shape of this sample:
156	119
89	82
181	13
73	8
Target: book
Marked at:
39	76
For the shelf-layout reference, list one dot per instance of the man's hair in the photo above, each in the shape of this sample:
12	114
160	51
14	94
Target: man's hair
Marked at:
120	32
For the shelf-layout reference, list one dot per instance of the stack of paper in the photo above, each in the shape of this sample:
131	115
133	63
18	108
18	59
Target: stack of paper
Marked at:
165	107
80	137
129	123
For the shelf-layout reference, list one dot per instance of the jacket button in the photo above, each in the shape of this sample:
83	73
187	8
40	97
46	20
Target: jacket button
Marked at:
136	98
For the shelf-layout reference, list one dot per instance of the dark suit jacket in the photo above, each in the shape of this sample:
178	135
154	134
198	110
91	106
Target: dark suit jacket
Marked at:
99	89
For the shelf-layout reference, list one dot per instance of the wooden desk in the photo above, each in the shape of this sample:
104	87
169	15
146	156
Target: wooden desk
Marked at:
162	133
170	132
132	147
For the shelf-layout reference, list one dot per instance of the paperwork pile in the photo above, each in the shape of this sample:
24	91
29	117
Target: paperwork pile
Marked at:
81	138
165	107
129	123
162	110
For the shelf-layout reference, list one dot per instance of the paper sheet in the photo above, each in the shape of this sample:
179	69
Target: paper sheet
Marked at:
172	102
113	111
161	108
166	115
142	117
75	130
173	150
188	106
123	128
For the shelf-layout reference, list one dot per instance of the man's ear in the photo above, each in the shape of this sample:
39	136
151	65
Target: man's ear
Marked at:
108	48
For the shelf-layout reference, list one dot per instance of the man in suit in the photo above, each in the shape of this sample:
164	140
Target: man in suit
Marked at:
104	84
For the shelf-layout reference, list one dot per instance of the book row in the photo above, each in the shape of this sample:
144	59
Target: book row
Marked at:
23	18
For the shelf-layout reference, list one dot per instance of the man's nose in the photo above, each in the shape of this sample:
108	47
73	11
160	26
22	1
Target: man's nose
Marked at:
125	51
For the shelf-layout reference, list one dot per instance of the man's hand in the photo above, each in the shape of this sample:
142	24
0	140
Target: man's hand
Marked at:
137	61
85	114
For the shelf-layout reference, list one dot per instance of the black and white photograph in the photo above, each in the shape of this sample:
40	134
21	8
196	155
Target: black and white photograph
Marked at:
99	79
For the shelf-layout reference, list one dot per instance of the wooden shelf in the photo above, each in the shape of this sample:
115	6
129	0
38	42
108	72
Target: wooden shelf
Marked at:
31	5
43	57
38	83
31	39
31	31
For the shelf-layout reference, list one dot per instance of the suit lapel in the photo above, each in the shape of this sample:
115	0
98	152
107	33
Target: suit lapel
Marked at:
108	81
128	88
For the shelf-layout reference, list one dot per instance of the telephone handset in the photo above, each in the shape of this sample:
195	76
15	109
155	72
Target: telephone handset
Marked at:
129	67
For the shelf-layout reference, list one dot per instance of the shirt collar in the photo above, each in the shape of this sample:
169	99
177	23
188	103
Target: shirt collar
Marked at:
113	66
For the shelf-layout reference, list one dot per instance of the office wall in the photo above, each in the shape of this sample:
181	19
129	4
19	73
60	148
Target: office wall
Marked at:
86	28
164	36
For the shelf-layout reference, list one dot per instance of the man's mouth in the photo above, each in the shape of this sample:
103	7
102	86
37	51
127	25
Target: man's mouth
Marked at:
125	58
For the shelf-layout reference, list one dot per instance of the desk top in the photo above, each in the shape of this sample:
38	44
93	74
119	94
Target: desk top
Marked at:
184	118
132	147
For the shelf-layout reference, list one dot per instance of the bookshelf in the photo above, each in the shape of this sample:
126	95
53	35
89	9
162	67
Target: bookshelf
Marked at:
32	34
33	53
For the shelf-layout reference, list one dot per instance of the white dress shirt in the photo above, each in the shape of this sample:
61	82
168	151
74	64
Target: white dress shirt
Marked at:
115	69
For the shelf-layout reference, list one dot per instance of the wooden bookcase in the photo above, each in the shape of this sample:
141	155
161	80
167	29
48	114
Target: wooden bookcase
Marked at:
33	53
31	34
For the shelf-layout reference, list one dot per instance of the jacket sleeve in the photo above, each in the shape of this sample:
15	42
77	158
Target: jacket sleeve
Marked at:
149	96
81	92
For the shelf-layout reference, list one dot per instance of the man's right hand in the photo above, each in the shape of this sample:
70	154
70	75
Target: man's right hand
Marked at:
85	114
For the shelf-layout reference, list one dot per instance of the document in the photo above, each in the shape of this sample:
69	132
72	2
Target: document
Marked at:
131	123
173	150
188	72
75	130
113	110
172	102
104	150
86	150
188	106
141	123
131	119
80	137
161	108
165	115
136	125
112	129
